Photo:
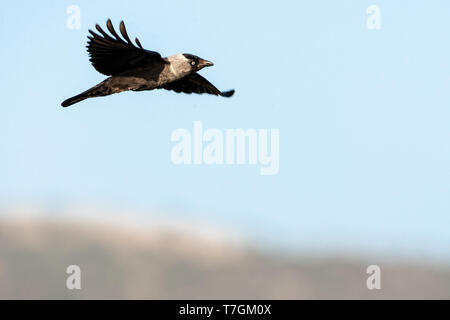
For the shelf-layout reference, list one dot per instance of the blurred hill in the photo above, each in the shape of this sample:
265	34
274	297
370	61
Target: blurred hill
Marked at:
132	263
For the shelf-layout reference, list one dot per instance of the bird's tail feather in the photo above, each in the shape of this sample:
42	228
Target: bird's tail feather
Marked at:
73	100
96	91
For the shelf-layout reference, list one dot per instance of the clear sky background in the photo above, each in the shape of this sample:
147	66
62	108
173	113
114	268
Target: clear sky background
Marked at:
364	119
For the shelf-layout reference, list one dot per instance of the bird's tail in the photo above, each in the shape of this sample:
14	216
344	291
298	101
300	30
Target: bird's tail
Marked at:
96	91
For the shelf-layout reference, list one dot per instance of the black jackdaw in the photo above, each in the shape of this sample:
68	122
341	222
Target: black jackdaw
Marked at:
134	68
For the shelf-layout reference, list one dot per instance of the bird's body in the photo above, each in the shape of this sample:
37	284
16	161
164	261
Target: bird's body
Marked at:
136	69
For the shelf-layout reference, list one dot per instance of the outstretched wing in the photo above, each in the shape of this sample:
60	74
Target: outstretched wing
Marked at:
111	55
195	83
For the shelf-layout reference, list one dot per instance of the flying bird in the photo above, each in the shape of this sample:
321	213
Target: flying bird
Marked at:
132	67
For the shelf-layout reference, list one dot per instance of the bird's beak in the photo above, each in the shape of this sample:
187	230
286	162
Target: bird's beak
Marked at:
205	63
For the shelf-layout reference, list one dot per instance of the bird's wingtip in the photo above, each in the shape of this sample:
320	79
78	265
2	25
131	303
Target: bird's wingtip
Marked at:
228	93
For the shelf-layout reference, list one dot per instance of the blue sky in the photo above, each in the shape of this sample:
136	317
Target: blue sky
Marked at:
363	118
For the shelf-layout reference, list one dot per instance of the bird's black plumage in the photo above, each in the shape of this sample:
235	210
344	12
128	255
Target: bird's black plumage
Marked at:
112	56
131	67
195	83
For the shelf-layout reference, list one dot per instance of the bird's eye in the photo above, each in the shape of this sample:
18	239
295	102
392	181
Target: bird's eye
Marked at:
193	63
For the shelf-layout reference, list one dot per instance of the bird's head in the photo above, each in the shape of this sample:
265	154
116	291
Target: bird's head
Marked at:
197	63
184	64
